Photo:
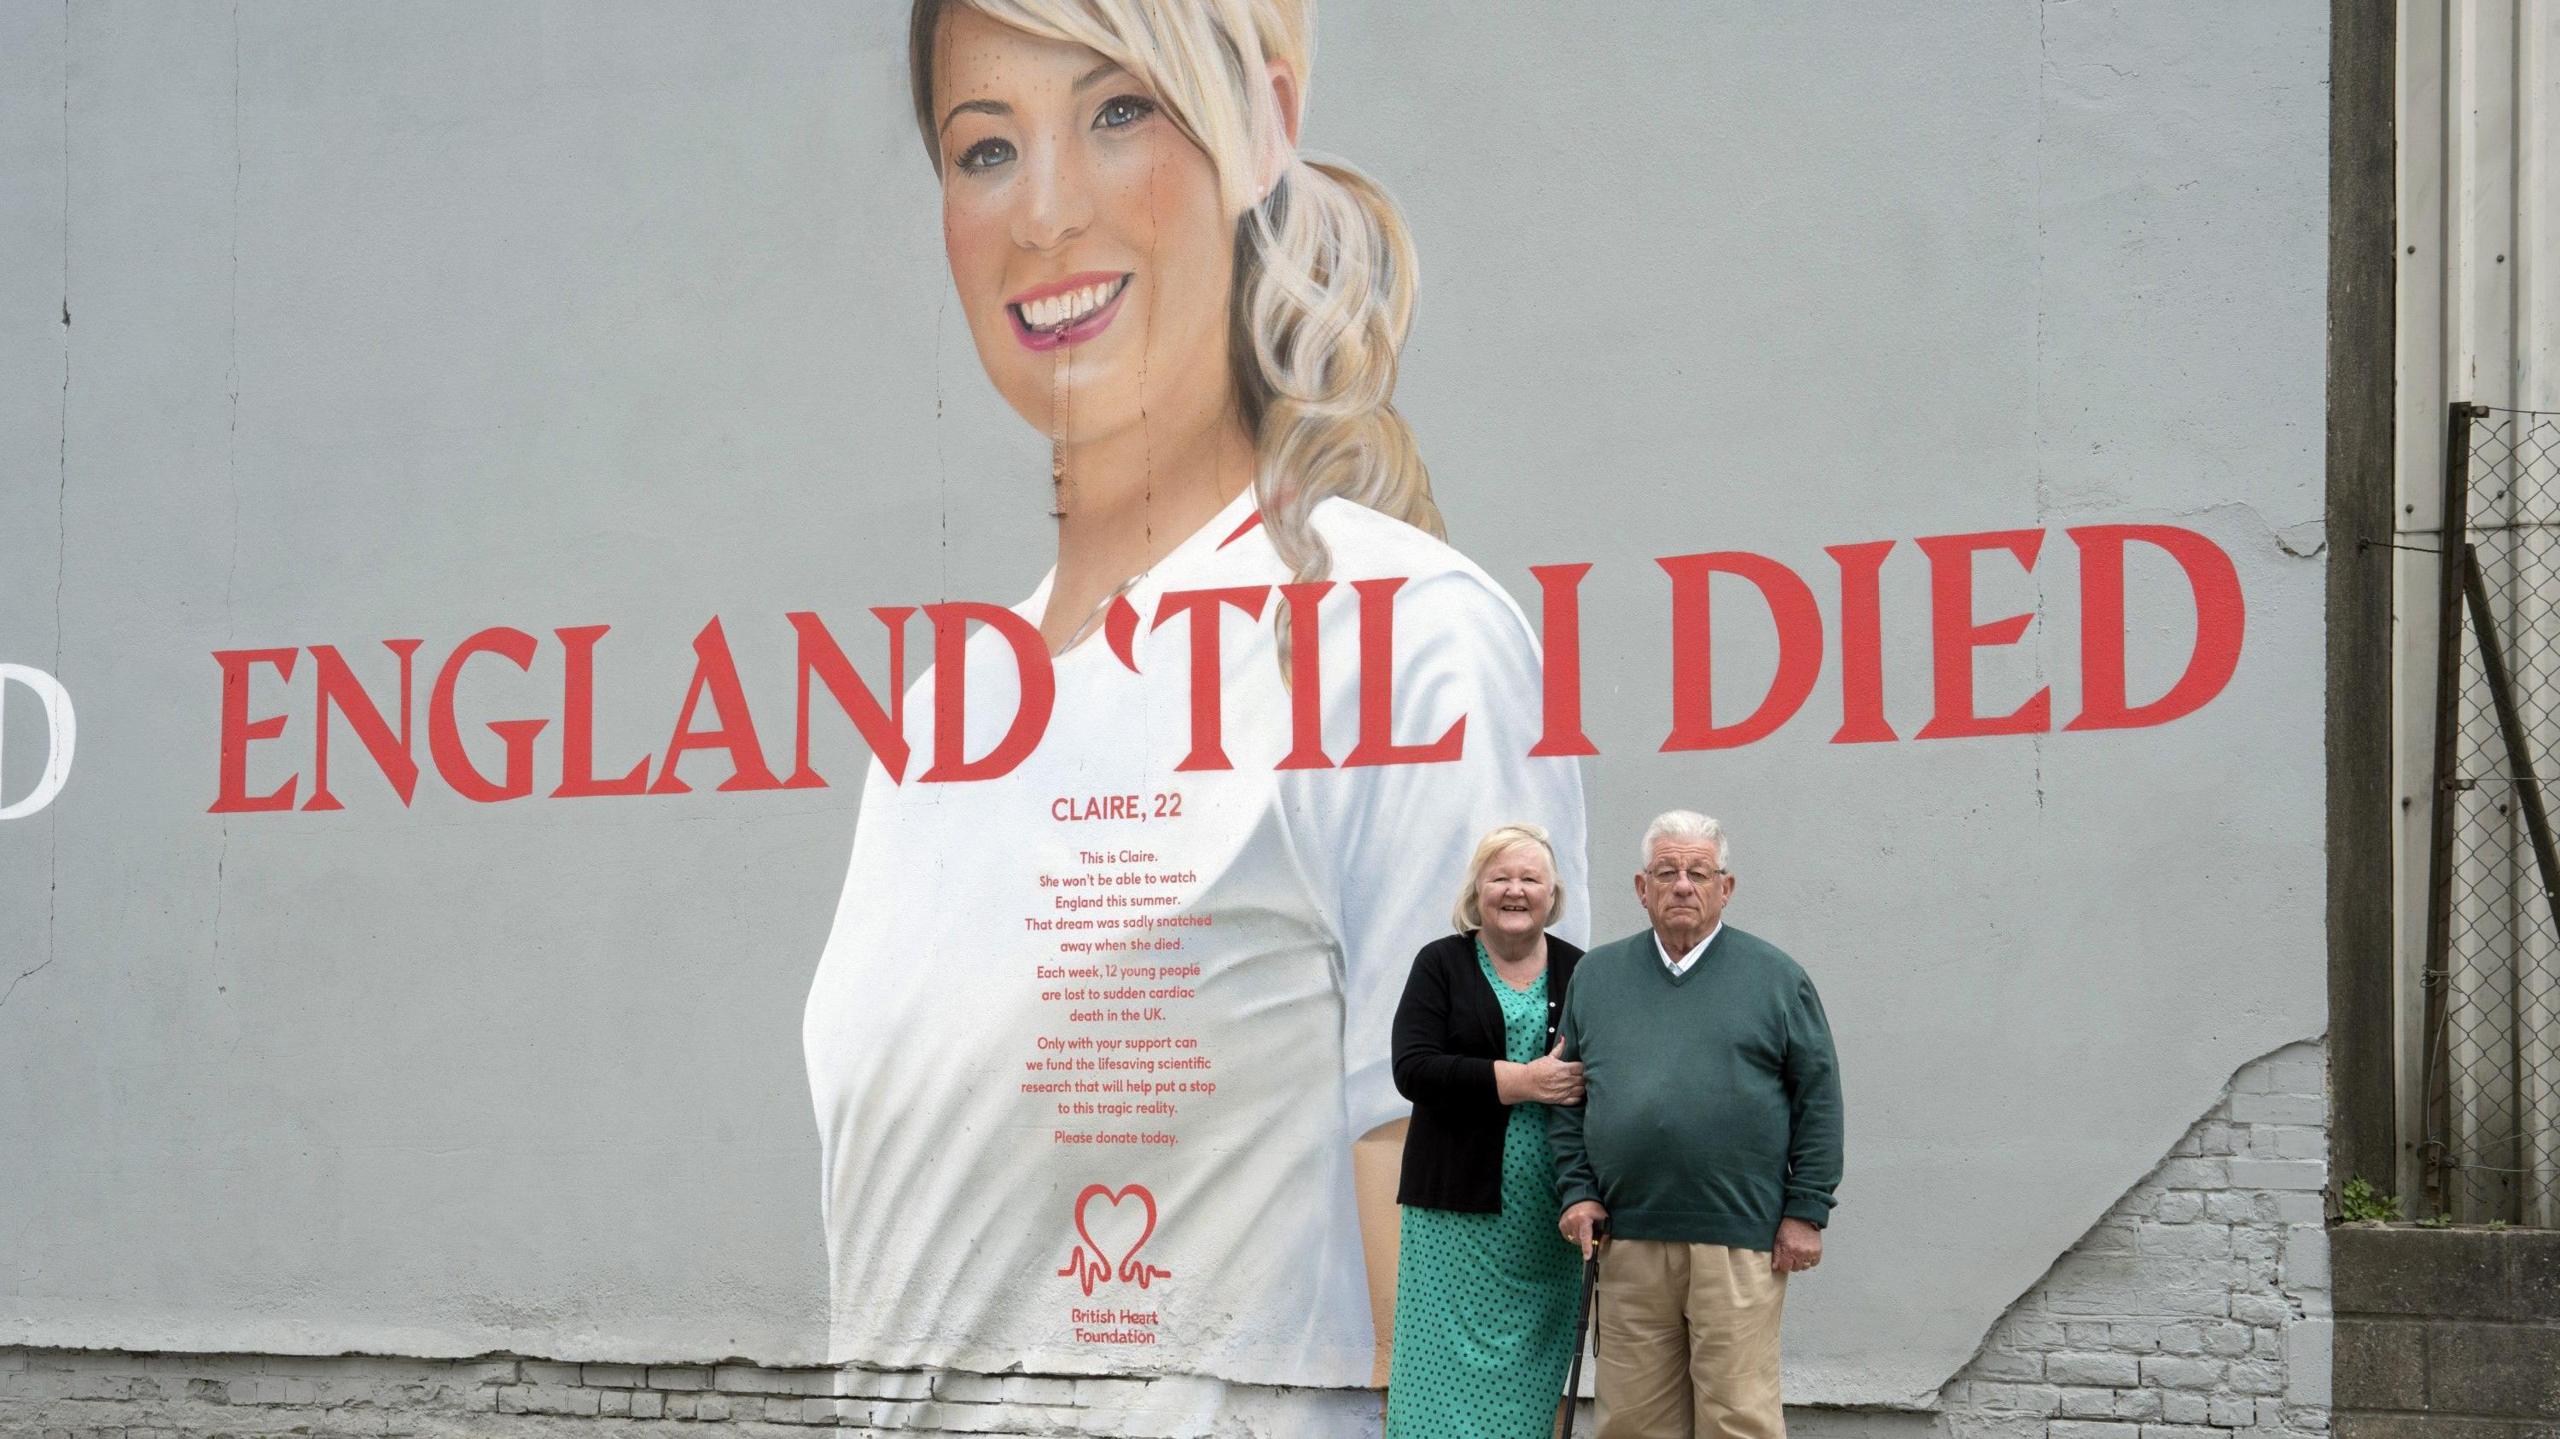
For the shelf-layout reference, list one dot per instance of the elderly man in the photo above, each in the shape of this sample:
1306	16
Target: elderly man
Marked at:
1708	1141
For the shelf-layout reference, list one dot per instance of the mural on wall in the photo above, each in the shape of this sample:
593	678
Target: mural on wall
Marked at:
1183	918
1093	1021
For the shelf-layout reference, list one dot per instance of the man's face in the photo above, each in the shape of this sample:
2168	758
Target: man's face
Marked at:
1684	890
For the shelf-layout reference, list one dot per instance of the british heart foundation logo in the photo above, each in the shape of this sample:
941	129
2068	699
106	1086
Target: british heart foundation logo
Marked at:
1111	1227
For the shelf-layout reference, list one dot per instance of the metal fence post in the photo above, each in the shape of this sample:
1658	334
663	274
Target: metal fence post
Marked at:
2453	547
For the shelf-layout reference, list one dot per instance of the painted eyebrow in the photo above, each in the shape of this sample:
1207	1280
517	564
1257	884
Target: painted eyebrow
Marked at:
1084	82
975	107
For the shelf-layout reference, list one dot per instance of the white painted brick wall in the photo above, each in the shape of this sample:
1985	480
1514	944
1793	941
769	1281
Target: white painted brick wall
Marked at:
2197	1308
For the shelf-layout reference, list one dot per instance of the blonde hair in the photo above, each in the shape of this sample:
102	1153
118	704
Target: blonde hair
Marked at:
1466	914
1324	265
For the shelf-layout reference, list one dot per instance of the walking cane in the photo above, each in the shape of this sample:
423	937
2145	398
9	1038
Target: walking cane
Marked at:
1581	1327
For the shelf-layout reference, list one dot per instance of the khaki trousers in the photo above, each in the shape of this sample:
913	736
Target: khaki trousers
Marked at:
1687	1346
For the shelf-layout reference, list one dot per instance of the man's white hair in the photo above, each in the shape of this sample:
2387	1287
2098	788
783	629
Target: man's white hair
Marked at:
1690	826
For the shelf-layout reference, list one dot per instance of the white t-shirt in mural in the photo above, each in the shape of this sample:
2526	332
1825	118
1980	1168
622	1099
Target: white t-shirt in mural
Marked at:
962	1231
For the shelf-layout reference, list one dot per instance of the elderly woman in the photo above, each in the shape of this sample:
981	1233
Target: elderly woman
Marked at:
1484	1292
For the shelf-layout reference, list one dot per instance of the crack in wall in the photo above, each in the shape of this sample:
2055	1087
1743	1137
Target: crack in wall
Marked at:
2043	488
231	451
61	518
62	432
22	975
231	367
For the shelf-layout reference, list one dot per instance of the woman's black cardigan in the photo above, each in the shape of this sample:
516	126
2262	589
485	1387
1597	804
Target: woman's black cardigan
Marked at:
1448	1033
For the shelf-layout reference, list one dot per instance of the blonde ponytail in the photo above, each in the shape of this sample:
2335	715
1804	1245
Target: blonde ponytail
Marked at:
1325	273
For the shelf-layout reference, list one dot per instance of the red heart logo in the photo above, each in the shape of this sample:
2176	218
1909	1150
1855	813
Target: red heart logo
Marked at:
1115	1224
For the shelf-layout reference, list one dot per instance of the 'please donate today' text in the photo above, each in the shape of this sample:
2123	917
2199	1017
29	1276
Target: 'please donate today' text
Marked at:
713	715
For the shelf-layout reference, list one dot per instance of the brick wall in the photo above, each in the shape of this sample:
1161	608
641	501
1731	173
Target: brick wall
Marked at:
82	1394
2199	1305
95	1394
2448	1334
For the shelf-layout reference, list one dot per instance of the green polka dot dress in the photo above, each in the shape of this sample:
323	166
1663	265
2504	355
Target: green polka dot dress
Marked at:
1484	1302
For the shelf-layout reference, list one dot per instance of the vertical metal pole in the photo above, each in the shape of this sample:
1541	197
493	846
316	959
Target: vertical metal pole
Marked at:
2453	547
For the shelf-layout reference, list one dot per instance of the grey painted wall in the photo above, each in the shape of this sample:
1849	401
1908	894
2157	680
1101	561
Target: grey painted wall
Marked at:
400	321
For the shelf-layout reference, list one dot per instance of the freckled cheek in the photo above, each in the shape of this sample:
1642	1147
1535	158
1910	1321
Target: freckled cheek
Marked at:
1182	204
973	241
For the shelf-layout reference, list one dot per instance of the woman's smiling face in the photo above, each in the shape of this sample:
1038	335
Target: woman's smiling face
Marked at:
1516	893
1087	240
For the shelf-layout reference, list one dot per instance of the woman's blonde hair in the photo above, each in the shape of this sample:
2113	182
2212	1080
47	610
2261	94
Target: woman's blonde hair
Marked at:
1324	266
1467	914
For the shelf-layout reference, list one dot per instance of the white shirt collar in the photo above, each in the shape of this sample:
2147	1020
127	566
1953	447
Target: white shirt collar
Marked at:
1681	965
1229	525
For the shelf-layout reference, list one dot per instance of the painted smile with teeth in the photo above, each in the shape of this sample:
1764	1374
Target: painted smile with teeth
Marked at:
1058	317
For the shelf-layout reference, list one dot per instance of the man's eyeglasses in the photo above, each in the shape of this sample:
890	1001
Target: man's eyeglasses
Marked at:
1698	877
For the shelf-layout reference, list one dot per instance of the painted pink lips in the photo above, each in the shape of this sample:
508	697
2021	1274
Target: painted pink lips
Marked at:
1069	312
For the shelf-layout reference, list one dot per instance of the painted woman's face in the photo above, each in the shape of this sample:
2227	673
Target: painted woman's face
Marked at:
1517	891
1087	239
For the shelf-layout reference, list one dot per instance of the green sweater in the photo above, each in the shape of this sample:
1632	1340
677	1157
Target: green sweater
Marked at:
1712	1101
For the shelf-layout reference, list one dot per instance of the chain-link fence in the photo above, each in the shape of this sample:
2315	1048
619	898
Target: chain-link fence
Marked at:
2492	1000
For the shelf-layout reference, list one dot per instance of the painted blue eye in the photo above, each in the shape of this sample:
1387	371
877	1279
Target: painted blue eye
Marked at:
985	155
1122	110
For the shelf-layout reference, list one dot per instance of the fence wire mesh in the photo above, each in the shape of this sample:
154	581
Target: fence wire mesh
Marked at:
2492	1004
